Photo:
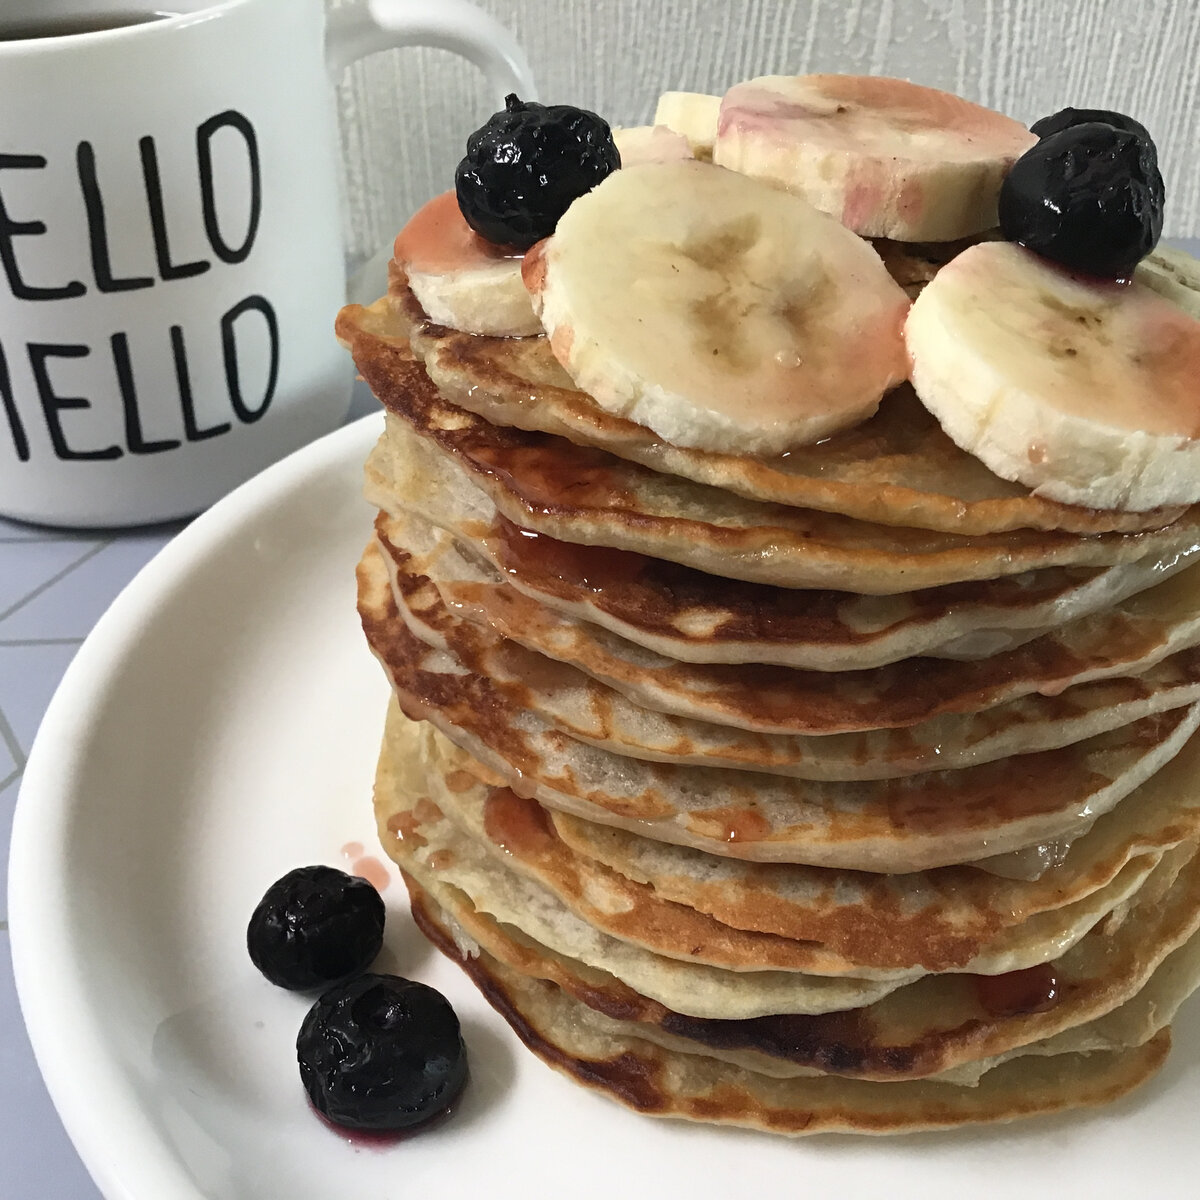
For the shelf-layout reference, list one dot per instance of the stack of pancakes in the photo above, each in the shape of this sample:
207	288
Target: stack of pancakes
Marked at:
852	790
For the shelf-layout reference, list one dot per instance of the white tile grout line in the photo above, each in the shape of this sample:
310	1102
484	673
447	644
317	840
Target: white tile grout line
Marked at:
10	643
37	541
49	583
14	748
7	736
5	784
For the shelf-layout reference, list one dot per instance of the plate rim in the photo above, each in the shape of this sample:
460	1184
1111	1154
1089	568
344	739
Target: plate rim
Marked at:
38	914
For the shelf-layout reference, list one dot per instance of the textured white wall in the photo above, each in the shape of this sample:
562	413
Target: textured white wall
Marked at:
406	114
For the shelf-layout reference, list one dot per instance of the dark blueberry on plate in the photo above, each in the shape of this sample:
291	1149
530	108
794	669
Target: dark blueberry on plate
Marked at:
1089	197
381	1053
315	926
1065	118
525	167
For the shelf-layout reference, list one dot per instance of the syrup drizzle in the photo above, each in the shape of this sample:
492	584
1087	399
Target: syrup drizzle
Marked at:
535	556
1018	993
515	824
731	823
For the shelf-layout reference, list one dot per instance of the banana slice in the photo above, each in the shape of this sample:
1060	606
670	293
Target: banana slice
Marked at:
692	114
717	311
886	157
460	279
641	144
1086	392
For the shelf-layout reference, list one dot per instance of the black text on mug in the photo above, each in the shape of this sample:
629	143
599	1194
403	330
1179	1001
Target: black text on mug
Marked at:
106	277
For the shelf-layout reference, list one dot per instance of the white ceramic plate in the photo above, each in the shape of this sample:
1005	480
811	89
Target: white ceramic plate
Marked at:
219	728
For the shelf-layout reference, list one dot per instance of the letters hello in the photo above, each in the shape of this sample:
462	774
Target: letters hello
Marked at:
226	246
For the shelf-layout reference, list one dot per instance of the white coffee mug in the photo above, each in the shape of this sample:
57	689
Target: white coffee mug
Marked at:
171	258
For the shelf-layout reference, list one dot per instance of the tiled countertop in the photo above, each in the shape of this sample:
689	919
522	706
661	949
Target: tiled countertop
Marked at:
53	589
54	586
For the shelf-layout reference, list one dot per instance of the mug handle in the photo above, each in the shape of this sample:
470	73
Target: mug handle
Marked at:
356	30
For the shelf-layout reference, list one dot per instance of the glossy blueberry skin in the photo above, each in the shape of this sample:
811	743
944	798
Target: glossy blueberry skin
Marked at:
1089	197
381	1053
526	165
1066	118
315	926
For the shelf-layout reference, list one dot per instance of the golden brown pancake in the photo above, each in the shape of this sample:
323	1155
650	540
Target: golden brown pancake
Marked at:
1127	640
585	708
898	468
890	825
514	578
939	919
577	494
660	1082
913	1030
481	823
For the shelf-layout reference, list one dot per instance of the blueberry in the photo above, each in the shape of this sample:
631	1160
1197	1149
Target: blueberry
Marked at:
381	1053
315	926
525	167
1066	118
1088	196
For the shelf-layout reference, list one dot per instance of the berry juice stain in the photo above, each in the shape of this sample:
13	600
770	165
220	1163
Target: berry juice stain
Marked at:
379	1140
361	1139
373	871
367	866
438	240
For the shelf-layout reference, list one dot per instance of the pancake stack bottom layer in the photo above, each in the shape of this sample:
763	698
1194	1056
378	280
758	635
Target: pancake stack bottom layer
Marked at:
852	792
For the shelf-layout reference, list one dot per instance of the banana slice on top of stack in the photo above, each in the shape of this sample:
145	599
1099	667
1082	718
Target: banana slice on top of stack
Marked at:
774	326
1088	392
797	682
888	158
460	279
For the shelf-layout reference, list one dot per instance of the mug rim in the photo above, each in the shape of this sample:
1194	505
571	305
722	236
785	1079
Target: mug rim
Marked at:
172	21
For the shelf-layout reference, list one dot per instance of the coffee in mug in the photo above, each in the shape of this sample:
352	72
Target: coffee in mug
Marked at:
66	25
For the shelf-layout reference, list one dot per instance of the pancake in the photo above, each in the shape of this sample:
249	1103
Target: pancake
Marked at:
586	496
911	1031
483	830
592	712
940	919
1128	1025
897	468
1127	640
694	988
930	1026
1131	1025
692	617
655	1081
891	825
